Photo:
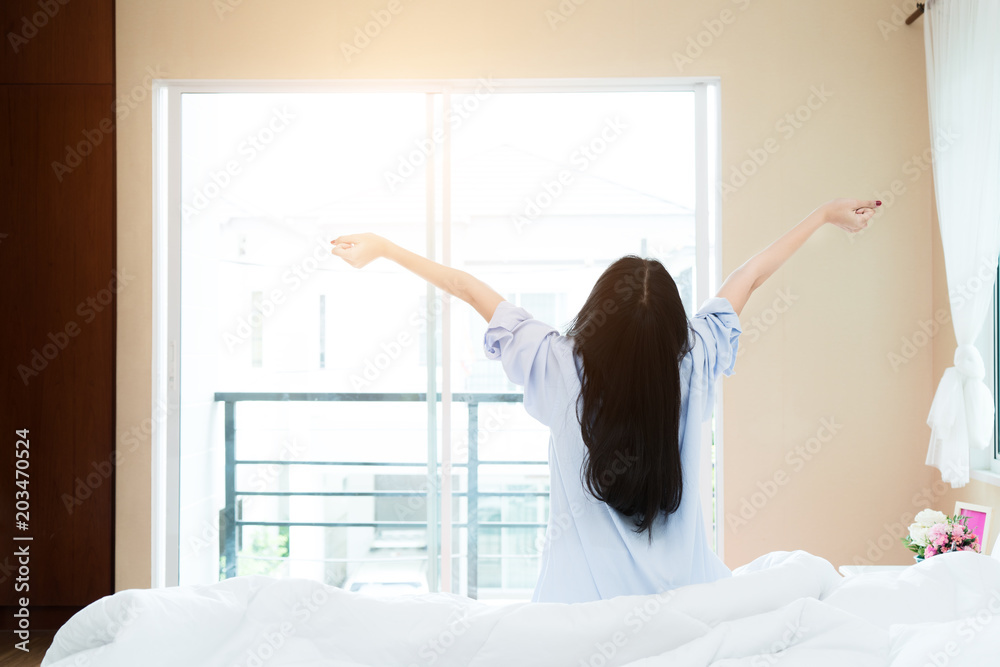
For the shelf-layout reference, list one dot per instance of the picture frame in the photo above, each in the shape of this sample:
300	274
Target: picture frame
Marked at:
978	521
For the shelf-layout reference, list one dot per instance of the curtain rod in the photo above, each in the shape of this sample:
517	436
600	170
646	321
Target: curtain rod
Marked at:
915	15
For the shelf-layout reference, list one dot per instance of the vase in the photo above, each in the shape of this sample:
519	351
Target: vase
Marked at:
919	559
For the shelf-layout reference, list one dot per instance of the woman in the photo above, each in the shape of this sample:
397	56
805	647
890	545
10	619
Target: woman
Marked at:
624	393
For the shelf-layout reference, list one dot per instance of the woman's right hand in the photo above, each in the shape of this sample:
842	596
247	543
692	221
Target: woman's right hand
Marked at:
359	250
851	215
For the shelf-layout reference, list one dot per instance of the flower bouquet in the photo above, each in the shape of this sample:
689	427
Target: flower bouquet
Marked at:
933	533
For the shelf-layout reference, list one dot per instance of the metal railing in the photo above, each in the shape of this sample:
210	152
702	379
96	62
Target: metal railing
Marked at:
230	523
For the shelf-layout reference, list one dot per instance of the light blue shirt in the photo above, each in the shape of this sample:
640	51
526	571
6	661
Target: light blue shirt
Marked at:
591	552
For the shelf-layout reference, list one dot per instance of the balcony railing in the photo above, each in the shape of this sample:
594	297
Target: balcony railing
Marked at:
230	522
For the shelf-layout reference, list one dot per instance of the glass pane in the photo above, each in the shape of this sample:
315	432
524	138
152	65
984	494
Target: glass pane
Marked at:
267	181
547	190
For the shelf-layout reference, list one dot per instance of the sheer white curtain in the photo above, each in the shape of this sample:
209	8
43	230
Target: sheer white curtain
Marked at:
962	43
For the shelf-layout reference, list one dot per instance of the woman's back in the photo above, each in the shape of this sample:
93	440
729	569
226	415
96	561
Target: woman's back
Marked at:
591	551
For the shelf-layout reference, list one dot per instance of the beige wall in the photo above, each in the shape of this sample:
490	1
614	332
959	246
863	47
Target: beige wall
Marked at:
824	357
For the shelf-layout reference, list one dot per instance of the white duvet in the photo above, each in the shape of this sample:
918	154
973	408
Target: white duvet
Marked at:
782	609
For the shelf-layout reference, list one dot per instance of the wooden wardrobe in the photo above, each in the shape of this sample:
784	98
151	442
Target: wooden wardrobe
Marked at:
57	304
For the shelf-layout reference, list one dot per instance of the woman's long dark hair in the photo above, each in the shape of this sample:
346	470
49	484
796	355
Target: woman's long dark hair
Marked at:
631	335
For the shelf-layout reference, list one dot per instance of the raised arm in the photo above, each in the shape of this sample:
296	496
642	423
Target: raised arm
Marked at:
849	214
360	249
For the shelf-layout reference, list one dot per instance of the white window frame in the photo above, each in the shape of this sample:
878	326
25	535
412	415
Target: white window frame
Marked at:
985	465
165	438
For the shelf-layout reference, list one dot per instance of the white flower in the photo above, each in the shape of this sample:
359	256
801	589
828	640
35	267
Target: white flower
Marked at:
918	534
930	517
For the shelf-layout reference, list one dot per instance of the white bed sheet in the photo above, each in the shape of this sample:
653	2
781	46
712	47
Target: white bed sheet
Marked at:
786	608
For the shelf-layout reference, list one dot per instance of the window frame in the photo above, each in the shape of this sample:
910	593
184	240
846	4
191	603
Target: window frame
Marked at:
166	213
994	460
984	466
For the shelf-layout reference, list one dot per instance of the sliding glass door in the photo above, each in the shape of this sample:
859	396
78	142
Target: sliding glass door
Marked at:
345	425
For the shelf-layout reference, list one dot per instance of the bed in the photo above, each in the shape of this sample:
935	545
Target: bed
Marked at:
785	608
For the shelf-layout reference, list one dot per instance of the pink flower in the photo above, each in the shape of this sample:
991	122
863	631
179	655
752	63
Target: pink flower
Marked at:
938	532
970	549
930	551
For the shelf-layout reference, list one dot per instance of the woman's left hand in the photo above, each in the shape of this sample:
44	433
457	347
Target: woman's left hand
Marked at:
358	250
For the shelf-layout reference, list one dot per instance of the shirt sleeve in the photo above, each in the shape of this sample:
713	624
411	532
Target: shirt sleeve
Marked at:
524	346
715	333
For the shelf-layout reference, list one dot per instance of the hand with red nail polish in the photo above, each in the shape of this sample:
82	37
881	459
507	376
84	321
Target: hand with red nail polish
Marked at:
851	215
